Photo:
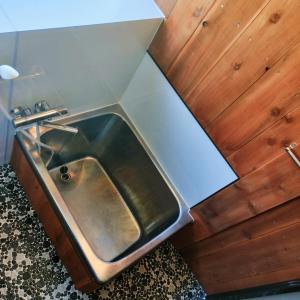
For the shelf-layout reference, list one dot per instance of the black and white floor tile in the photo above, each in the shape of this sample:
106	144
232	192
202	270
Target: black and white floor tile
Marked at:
30	268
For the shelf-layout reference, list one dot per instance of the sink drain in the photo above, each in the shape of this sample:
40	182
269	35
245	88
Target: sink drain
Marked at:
63	170
65	176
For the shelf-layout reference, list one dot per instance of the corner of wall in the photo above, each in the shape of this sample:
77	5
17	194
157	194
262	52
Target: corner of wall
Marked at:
189	158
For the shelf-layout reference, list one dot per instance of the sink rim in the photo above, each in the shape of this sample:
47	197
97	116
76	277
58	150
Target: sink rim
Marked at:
101	270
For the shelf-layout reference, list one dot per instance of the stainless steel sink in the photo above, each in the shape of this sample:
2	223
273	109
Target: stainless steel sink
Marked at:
113	197
97	207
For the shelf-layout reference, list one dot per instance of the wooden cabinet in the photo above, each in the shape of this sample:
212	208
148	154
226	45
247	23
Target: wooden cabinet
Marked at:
258	252
236	66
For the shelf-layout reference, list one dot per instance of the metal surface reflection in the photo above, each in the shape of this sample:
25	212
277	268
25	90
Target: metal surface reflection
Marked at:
107	159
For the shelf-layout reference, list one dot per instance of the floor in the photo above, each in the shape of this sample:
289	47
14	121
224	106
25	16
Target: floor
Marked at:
30	268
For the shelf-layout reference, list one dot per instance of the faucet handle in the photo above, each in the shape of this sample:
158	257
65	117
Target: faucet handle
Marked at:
21	111
41	106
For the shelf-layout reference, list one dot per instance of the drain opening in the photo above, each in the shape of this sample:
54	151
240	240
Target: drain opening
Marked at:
66	177
63	170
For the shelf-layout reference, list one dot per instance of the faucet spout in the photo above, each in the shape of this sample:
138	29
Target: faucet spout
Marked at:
59	127
40	118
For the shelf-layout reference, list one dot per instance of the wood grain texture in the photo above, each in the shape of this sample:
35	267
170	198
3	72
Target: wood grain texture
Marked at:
177	29
287	215
238	71
261	251
257	50
51	223
271	185
268	145
166	6
274	184
222	25
268	100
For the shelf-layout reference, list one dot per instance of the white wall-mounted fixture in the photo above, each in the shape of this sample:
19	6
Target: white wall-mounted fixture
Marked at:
7	72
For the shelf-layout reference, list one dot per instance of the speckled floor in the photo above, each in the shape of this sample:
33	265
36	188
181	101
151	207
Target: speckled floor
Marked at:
30	268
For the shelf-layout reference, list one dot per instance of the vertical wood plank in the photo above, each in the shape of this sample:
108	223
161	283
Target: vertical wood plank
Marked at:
266	260
260	251
222	25
275	183
272	97
237	68
285	215
177	29
265	41
268	145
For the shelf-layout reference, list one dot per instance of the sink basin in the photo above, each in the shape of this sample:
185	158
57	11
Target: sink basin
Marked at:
97	207
114	198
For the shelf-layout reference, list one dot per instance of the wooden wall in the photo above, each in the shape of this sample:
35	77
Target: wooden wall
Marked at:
236	65
260	251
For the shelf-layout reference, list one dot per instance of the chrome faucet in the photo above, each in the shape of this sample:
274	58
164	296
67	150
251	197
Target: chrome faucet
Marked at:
23	116
59	127
41	117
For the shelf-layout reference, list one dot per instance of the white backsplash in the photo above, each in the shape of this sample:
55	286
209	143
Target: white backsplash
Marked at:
79	67
185	152
79	54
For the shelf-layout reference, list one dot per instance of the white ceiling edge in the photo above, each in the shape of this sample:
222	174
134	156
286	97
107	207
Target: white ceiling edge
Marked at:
37	15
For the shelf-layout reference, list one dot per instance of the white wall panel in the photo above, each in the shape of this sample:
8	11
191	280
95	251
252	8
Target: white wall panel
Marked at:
188	156
80	54
81	67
